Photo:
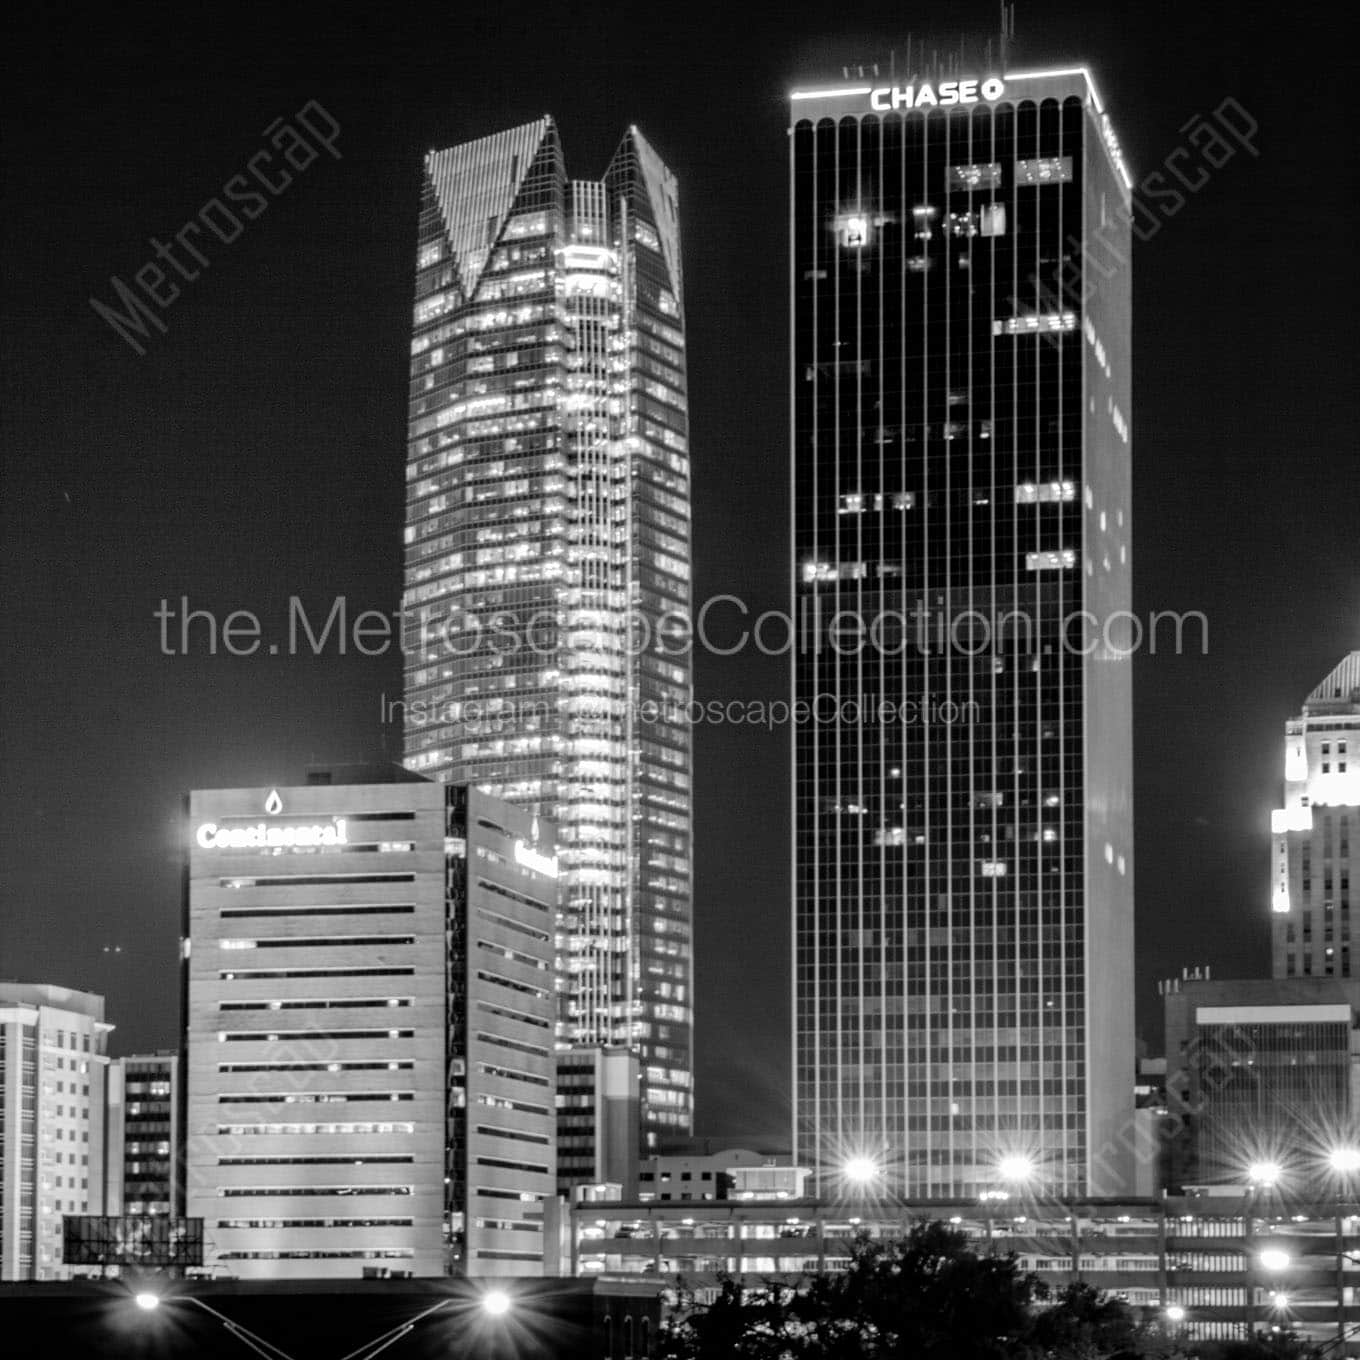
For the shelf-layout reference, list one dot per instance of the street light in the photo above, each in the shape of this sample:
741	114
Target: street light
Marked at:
1016	1168
496	1303
1175	1313
1345	1160
1274	1259
147	1301
1264	1174
860	1170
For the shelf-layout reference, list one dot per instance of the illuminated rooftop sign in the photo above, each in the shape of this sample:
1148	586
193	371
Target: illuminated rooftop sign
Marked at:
529	858
262	836
927	96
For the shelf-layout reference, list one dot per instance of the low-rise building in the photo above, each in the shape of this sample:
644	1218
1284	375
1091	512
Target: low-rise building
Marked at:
1216	1266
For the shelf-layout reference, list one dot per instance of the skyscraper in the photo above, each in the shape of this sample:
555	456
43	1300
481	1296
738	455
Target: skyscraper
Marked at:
547	545
1311	855
962	915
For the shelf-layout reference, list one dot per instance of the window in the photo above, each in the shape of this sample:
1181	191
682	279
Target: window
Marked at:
1046	322
980	175
1050	561
1044	170
853	232
1029	493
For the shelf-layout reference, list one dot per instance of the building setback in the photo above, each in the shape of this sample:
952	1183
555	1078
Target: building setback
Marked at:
962	915
547	527
368	1029
52	1068
1311	855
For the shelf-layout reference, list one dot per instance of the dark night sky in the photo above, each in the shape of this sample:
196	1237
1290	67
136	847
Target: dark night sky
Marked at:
257	450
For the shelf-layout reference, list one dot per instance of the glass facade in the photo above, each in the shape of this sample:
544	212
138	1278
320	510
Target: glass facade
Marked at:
547	545
962	804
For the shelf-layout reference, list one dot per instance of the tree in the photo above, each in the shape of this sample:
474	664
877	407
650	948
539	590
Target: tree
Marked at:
927	1296
1083	1324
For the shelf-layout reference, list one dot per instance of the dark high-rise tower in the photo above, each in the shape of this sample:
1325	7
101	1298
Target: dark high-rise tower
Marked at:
547	543
962	795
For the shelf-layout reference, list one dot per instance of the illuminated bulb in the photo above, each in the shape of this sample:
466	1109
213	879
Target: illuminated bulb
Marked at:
1345	1159
1015	1167
1264	1173
1175	1313
1274	1258
146	1301
861	1169
496	1303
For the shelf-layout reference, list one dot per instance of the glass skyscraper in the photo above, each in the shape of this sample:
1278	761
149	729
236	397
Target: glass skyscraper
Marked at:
547	546
960	385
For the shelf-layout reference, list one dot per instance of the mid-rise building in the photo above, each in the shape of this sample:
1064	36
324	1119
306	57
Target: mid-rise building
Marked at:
963	858
597	1119
370	1029
1262	1072
144	1168
1311	855
547	531
53	1043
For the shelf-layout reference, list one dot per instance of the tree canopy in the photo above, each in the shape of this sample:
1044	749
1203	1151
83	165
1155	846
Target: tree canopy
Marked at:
930	1296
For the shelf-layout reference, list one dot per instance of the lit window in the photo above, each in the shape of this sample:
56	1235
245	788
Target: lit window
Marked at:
1044	170
982	175
1050	561
853	232
1028	493
1034	324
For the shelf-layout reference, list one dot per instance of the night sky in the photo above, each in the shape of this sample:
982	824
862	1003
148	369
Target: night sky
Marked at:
257	450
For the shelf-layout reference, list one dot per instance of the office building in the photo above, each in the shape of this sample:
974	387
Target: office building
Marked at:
1311	856
547	527
963	874
144	1156
53	1043
1262	1072
370	1078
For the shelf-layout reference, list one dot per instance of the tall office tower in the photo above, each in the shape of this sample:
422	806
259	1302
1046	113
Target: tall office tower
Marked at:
370	1015
144	1153
548	529
1311	857
52	1067
962	913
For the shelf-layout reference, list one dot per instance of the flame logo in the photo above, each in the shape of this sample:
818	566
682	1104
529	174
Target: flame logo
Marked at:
273	805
